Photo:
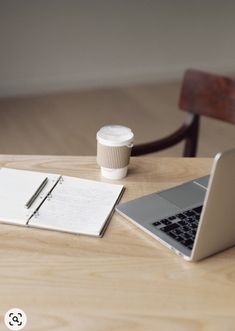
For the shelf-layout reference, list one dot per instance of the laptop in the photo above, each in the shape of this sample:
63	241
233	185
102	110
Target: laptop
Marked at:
195	219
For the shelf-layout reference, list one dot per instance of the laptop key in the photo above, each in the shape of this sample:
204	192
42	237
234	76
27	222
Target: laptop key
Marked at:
172	234
189	213
192	233
187	235
182	223
198	209
186	228
194	226
165	222
187	242
171	218
179	239
157	223
170	227
181	216
178	231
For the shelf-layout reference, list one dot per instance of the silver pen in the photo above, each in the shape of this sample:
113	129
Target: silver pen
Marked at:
36	194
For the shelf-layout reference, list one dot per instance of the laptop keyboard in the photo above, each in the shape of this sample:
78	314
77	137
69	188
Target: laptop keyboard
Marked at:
181	227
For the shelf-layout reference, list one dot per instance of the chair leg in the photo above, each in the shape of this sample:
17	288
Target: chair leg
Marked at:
190	148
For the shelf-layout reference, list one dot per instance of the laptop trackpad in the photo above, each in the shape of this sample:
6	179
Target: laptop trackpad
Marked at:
185	196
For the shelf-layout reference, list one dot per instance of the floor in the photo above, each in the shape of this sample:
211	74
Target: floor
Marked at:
66	123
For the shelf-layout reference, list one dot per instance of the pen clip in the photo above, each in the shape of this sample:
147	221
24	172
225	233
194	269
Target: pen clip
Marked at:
36	194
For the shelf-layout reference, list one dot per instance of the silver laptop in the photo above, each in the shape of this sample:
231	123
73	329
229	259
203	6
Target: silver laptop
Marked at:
195	219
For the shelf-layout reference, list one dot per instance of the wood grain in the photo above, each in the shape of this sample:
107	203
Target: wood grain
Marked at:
124	281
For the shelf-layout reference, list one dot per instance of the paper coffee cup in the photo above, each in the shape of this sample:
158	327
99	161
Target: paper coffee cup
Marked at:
114	143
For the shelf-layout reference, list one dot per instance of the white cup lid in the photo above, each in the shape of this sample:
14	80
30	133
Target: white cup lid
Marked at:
115	135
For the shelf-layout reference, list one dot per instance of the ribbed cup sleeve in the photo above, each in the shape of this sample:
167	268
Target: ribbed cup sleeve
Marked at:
113	157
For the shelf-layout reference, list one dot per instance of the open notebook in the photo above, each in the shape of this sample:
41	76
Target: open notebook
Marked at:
56	202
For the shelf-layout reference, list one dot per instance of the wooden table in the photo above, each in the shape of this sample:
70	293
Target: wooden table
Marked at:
124	281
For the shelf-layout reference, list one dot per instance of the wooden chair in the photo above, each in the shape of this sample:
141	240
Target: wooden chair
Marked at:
201	94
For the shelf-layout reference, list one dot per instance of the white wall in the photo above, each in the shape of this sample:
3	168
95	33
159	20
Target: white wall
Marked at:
63	44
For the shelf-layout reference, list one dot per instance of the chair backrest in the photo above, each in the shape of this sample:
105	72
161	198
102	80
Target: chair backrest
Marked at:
208	95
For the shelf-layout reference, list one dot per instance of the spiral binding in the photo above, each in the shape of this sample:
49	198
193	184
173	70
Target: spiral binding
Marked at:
36	214
49	197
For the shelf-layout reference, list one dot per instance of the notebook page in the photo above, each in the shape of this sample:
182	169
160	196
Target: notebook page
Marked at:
16	188
78	205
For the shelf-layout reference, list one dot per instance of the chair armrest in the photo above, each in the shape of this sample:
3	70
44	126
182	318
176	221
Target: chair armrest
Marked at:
157	145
